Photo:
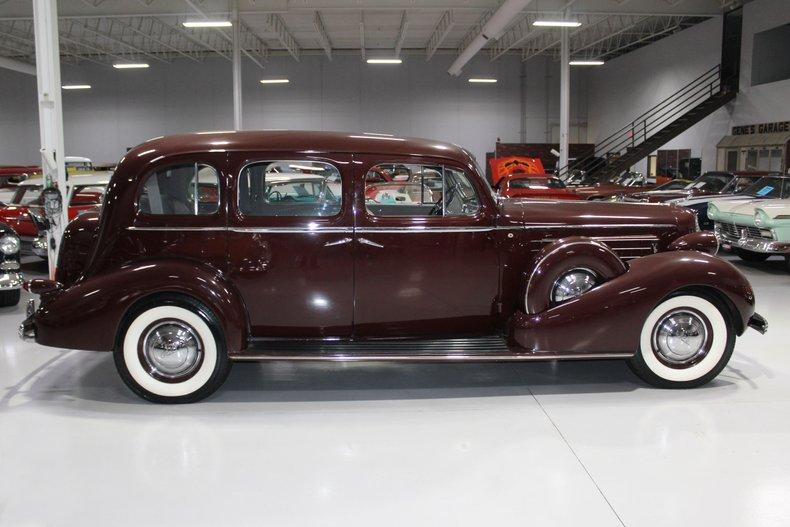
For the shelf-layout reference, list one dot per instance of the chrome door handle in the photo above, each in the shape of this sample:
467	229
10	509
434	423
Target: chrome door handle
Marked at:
341	241
370	242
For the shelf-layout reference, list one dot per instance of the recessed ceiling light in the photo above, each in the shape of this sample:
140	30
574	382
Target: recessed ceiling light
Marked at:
207	23
275	81
384	61
586	63
129	65
556	23
482	80
76	86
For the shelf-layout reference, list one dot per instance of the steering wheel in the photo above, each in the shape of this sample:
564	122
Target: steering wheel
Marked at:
437	208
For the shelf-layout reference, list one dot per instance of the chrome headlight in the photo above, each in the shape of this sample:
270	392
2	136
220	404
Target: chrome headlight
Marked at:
760	218
9	244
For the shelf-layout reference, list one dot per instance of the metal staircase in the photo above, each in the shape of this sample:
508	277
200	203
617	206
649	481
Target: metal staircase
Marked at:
658	125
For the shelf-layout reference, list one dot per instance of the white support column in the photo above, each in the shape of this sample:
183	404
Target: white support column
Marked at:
237	123
565	97
50	115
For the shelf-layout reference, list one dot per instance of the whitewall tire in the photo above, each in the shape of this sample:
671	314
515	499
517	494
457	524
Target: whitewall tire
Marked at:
172	350
685	342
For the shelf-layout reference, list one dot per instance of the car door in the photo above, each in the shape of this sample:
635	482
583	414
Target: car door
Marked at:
426	262
290	243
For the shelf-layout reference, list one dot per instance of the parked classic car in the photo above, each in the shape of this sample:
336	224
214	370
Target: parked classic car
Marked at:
10	277
178	293
85	192
674	184
545	186
628	183
708	184
754	229
773	186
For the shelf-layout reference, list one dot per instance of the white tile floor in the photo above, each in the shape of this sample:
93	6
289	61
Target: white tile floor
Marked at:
577	444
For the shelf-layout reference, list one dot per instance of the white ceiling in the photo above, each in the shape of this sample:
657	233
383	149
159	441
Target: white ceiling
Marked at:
107	31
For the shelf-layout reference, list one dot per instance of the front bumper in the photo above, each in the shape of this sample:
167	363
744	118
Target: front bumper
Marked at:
27	329
39	246
754	244
758	322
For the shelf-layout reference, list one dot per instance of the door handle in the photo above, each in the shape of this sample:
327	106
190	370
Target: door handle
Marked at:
341	241
370	242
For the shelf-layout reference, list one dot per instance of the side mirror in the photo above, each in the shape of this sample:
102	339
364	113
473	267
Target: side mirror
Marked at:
39	220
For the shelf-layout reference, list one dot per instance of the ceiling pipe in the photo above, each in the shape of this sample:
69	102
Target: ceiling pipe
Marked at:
492	29
16	65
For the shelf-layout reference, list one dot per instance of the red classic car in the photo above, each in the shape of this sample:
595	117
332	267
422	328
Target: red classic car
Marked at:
545	186
180	284
85	192
624	184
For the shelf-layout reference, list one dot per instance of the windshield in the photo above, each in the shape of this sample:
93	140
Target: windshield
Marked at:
710	182
675	184
28	195
768	187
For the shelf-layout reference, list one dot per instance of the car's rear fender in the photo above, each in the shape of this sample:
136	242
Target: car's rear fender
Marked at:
87	315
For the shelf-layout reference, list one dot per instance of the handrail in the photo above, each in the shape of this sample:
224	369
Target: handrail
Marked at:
656	118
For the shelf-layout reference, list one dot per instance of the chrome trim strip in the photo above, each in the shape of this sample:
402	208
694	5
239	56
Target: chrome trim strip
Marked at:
421	229
411	229
174	229
450	357
293	230
599	226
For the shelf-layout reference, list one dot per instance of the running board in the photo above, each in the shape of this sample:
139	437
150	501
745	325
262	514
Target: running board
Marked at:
478	349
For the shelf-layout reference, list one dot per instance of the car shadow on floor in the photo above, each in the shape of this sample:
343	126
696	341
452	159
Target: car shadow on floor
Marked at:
87	376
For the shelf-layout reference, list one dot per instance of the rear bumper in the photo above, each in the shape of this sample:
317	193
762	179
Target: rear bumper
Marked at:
758	323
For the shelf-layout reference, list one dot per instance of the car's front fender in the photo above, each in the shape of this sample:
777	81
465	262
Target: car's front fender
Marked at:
87	315
609	318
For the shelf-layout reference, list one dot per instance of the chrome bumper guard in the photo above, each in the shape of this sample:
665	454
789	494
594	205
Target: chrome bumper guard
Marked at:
39	246
27	329
10	280
758	322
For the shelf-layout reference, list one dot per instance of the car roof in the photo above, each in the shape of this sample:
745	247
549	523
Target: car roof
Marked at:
93	178
297	141
76	159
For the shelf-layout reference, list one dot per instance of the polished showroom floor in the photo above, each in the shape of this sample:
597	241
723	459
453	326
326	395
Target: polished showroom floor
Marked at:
576	444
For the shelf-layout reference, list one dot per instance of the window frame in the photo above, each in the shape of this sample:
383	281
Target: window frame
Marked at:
246	216
424	163
139	212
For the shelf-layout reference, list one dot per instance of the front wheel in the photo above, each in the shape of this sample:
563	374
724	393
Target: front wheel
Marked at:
172	351
751	256
685	342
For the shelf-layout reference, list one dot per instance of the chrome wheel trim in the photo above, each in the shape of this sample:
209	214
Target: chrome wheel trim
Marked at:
170	350
681	338
571	284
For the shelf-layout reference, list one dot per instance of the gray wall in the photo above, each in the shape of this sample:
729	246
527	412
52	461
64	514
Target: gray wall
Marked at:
627	86
417	98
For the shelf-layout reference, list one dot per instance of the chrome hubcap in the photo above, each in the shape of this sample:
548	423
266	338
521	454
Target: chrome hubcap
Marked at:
680	337
572	284
171	350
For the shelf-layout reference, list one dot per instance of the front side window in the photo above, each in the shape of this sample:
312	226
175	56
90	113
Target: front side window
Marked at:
190	189
290	188
87	195
419	190
29	195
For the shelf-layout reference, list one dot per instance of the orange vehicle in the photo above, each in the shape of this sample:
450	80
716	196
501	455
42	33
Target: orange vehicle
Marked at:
542	186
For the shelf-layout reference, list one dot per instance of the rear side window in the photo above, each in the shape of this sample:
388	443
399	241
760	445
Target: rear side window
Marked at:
190	189
290	188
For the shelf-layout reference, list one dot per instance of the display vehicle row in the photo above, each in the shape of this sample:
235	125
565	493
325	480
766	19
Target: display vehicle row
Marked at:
216	248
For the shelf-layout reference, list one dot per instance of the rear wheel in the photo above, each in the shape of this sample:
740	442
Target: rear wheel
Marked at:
10	298
751	256
685	342
172	350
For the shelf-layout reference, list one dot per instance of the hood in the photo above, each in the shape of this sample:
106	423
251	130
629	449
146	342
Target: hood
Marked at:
661	196
588	214
697	200
774	208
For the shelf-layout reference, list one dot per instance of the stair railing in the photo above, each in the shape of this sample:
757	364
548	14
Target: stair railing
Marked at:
651	121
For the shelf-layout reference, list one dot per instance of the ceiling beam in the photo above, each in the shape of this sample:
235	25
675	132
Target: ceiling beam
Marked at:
136	30
404	25
97	32
222	32
440	31
323	38
277	25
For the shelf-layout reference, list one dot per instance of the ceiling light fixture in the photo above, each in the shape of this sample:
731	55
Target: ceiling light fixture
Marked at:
557	23
275	81
207	23
482	80
76	86
384	61
586	63
129	65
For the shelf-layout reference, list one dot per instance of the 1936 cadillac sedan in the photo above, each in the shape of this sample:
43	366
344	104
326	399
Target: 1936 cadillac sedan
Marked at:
222	247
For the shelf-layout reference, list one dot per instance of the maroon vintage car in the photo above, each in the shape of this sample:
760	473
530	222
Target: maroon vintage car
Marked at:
708	184
181	283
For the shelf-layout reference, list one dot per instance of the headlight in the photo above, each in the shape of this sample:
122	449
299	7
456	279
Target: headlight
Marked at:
759	218
9	244
712	210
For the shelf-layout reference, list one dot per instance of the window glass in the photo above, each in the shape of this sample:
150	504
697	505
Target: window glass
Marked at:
182	190
87	195
28	195
419	190
290	188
